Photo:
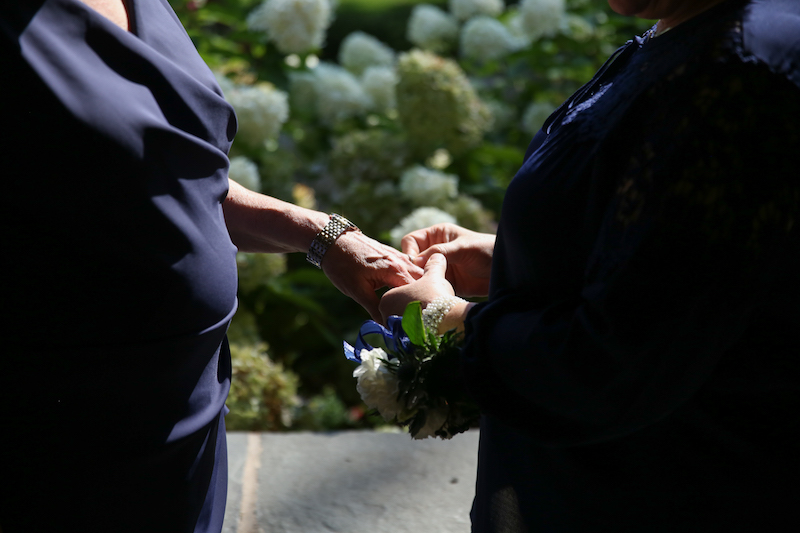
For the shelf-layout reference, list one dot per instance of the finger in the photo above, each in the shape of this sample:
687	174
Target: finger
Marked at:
436	266
369	301
410	244
444	249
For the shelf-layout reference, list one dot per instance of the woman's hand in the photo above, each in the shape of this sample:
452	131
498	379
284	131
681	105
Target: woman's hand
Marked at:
358	266
355	264
430	286
468	253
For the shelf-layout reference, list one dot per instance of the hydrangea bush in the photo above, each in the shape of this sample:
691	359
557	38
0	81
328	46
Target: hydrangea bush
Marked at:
395	128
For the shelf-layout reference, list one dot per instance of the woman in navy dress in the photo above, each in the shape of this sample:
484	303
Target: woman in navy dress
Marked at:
636	360
119	238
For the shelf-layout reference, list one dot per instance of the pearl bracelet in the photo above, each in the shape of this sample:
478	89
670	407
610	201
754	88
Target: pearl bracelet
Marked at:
434	312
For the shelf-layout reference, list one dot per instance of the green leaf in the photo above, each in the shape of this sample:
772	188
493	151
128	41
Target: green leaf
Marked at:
412	323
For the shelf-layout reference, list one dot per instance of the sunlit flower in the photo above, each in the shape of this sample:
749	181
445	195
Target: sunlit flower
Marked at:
339	94
465	9
380	84
437	105
261	111
376	384
359	51
245	173
485	38
535	115
422	217
542	18
431	28
295	26
424	186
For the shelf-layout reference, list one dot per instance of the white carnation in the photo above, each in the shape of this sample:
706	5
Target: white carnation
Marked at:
380	84
261	111
295	26
431	28
245	173
434	420
465	9
429	187
485	38
542	18
359	51
339	94
535	115
376	384
422	217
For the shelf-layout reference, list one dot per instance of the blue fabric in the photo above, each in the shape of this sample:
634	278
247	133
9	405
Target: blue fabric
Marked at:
637	356
120	276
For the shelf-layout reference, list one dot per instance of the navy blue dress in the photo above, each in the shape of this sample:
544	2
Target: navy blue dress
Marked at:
638	358
119	276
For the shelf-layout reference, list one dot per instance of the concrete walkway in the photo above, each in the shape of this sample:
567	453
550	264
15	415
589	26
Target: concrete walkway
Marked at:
352	481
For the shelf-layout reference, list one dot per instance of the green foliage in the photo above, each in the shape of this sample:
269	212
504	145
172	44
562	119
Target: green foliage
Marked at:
263	393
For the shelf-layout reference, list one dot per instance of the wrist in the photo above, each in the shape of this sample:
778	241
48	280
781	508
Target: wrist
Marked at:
446	313
326	237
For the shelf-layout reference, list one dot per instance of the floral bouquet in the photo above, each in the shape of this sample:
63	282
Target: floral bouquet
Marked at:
410	375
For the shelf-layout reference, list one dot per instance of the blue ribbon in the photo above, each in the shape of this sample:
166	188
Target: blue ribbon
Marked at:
393	338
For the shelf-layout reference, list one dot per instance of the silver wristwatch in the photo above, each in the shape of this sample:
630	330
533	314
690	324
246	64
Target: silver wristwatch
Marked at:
325	238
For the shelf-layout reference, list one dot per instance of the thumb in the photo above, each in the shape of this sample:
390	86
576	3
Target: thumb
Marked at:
436	266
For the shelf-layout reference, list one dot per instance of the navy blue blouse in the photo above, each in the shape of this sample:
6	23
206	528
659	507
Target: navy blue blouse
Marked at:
119	273
638	358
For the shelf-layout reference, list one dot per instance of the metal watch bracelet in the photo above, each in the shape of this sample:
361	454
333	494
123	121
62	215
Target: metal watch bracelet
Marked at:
325	238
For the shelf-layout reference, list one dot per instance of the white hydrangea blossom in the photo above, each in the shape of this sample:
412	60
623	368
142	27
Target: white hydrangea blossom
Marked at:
244	172
339	94
420	218
431	28
360	51
261	111
542	18
424	186
465	9
377	386
380	83
295	26
534	116
485	38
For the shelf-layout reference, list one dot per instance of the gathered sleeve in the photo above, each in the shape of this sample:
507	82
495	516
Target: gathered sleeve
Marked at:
694	239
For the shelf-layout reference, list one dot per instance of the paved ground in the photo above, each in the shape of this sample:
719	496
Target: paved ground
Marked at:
353	482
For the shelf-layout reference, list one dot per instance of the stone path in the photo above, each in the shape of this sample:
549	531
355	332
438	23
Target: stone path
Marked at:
352	481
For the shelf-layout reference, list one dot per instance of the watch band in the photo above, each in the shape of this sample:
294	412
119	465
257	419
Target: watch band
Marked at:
325	238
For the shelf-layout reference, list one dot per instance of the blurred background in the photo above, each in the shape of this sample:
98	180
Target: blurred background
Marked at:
397	114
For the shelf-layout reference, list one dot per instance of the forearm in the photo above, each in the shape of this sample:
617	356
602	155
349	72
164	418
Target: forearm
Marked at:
260	223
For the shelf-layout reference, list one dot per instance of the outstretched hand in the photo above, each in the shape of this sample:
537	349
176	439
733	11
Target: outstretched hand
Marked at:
468	253
358	266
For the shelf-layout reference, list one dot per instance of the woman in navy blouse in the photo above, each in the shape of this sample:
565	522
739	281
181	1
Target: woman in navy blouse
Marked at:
119	237
637	359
